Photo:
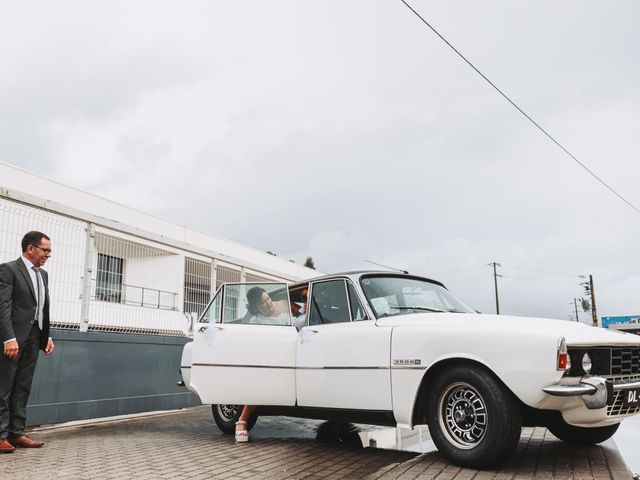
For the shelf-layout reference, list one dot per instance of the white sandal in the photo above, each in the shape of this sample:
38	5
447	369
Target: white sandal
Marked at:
242	436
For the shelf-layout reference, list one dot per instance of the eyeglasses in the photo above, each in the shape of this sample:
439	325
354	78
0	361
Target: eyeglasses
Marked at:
47	251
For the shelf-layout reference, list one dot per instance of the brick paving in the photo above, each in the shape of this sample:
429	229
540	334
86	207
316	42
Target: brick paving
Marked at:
187	444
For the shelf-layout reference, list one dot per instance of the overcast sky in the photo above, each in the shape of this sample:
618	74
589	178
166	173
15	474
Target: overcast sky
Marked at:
346	130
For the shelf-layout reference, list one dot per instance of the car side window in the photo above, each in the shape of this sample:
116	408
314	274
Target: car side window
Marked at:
329	303
256	304
212	313
299	298
357	312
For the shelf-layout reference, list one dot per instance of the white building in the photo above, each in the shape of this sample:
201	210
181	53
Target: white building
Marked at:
116	269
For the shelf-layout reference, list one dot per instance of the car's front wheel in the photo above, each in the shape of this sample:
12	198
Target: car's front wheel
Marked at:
226	417
473	420
580	435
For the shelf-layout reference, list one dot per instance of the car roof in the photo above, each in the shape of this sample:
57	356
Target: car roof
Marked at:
356	274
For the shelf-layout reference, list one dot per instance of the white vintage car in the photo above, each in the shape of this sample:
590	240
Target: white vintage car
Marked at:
400	350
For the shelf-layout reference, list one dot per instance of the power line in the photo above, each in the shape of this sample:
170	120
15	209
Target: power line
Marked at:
517	277
548	135
546	271
459	269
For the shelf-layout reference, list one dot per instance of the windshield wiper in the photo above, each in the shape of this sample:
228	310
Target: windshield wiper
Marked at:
418	307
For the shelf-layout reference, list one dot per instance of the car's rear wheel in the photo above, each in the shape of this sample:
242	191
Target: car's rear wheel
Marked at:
473	420
580	435
226	417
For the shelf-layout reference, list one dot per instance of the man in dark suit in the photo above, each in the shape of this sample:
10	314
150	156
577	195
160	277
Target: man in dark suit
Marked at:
24	330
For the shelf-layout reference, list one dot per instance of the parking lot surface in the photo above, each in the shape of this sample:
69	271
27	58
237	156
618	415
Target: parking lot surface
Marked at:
187	444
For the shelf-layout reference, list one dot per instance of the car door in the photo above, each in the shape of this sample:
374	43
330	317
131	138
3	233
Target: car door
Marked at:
240	360
343	357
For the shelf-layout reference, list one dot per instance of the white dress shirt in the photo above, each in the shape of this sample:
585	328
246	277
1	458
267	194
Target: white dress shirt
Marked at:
32	273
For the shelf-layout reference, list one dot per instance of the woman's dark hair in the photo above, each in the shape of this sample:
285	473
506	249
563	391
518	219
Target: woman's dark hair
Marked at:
254	297
32	238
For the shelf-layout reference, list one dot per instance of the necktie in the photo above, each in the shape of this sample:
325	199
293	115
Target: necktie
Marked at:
40	283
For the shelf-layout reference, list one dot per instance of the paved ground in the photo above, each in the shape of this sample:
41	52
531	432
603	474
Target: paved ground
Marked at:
188	445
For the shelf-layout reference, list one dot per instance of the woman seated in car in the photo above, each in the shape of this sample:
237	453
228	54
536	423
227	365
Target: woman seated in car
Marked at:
263	310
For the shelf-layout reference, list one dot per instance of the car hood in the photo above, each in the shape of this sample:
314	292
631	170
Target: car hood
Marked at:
575	333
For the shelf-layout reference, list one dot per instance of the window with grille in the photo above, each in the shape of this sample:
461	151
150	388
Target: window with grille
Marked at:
226	275
109	278
197	285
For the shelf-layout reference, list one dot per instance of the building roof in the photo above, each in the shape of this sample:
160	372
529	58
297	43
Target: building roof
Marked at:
36	190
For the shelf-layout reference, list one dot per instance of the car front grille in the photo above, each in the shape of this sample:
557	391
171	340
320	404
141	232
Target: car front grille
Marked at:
615	363
617	409
625	361
613	360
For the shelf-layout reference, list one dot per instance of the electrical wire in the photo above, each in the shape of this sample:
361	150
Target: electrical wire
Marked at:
517	277
549	272
547	134
458	269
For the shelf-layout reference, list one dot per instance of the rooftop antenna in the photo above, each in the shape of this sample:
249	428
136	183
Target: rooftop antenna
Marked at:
386	266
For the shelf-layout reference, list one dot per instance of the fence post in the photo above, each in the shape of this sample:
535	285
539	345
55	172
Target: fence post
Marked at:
86	279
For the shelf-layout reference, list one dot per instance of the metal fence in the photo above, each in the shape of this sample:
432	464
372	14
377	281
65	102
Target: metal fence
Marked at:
106	280
197	285
65	268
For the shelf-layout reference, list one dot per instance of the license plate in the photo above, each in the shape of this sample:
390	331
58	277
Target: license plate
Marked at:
631	398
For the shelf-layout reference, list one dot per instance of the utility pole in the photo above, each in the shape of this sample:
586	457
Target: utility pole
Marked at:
594	315
575	305
495	283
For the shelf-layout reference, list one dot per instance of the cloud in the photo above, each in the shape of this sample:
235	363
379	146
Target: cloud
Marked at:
348	131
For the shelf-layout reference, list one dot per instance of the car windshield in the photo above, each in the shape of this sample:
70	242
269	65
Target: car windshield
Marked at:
394	295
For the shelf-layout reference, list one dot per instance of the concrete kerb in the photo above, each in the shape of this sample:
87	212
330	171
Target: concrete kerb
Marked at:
106	420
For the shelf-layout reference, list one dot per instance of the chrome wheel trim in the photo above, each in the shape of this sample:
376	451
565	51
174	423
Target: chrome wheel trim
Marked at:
462	415
228	412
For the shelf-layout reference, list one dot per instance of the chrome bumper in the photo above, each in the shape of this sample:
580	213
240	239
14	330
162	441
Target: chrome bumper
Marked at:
595	391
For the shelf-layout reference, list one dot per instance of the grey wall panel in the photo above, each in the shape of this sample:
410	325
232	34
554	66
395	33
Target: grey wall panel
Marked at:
97	374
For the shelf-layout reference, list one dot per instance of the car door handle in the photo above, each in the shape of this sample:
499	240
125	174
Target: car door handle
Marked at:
204	327
312	331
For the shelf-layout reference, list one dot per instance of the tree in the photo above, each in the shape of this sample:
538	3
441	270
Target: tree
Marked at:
309	263
585	303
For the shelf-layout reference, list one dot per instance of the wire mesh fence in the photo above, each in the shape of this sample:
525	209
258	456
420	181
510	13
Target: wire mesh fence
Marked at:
136	285
251	277
197	285
226	274
105	280
65	268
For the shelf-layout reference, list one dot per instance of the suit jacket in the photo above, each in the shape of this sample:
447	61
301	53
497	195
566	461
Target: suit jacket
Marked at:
19	302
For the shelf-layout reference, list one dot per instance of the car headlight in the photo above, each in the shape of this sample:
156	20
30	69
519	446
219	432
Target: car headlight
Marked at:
586	363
